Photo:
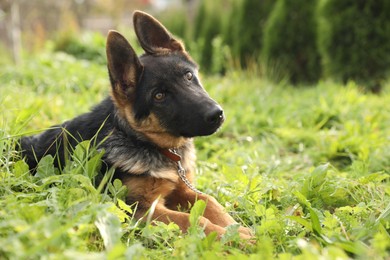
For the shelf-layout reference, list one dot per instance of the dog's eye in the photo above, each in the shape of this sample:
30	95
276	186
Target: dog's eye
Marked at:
189	75
159	96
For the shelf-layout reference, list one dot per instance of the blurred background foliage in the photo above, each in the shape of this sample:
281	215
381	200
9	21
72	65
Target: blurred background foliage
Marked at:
299	42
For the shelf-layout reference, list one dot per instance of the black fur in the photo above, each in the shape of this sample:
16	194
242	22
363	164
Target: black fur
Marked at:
57	140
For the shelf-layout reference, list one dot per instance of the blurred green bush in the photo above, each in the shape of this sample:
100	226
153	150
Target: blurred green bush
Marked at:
354	40
289	43
244	29
301	41
88	46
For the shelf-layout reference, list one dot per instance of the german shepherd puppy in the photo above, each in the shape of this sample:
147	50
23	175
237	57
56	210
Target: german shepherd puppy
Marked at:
157	105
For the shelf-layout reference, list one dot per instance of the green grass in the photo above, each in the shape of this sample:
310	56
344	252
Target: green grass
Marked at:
306	168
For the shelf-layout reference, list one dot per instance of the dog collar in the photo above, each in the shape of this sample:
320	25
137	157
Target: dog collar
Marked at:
171	154
174	156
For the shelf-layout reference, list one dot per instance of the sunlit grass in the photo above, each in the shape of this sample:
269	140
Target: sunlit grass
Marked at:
306	168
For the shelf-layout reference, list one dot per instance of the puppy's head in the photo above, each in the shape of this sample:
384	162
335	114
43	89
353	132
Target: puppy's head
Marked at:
159	93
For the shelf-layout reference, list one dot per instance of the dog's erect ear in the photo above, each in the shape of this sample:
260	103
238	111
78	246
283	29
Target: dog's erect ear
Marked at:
124	66
153	36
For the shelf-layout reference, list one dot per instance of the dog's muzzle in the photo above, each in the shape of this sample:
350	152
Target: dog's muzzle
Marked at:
215	116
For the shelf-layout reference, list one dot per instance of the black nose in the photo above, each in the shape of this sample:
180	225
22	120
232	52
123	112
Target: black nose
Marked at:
215	116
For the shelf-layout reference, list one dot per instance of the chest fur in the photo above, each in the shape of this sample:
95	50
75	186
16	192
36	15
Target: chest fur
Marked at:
133	159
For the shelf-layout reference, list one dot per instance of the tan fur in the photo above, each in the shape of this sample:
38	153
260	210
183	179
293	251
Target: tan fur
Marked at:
153	130
119	98
172	196
156	133
149	189
136	168
168	174
150	126
176	45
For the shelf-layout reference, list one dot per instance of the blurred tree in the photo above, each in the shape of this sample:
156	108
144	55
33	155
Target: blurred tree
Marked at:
354	40
207	26
43	19
177	22
16	32
116	9
244	28
289	46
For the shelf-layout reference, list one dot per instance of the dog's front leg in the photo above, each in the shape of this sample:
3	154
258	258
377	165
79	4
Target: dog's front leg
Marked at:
166	215
217	214
214	211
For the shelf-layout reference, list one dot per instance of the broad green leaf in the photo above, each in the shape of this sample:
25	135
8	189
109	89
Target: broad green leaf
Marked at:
93	165
109	228
123	206
375	178
121	214
318	176
302	199
210	239
315	221
45	167
314	182
197	211
84	182
117	189
20	168
301	221
117	184
81	151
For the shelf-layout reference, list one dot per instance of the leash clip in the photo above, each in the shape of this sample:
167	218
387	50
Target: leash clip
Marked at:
182	173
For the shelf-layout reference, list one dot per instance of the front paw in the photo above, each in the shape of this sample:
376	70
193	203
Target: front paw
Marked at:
245	231
247	237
